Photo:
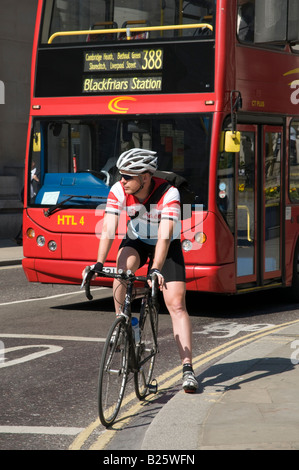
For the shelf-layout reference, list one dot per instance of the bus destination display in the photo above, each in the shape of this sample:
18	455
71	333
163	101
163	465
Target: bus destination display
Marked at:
125	60
110	69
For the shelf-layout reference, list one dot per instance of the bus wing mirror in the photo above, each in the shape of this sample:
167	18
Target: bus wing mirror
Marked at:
232	141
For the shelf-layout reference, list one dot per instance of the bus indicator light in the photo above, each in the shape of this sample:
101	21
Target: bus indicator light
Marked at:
30	233
200	237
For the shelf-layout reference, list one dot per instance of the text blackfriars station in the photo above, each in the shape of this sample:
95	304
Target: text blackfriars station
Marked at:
102	85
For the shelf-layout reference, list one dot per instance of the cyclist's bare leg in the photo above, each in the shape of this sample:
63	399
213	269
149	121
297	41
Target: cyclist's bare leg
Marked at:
127	258
174	297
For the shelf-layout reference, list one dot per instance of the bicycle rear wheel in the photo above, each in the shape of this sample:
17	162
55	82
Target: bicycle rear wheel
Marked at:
147	349
113	371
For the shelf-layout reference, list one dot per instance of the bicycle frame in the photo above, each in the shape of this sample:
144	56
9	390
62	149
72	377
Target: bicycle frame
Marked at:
154	352
143	293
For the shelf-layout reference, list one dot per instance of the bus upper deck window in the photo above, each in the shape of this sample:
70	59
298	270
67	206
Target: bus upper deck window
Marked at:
76	21
246	21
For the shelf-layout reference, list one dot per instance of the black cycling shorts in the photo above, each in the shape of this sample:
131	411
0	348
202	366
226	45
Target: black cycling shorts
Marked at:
174	266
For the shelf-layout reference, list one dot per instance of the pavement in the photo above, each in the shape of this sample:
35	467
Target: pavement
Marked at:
10	253
248	400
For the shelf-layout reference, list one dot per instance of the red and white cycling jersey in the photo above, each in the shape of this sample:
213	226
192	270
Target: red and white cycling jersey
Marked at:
146	225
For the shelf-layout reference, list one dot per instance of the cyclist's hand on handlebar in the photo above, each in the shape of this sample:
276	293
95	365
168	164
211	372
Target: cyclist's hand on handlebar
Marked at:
160	278
98	267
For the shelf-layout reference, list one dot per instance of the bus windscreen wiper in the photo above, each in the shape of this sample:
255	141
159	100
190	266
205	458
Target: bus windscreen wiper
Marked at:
61	204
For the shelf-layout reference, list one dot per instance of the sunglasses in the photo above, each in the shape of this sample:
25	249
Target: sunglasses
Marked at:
127	177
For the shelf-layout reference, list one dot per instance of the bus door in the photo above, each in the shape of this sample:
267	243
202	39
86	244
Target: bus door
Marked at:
272	202
246	206
259	205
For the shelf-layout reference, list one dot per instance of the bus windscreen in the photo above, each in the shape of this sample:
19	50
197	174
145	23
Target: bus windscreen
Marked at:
76	158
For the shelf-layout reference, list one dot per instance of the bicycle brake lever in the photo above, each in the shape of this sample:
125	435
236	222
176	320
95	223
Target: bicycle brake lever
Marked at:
154	279
87	271
86	282
87	286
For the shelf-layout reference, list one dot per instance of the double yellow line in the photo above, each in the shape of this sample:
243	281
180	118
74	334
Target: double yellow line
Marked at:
167	380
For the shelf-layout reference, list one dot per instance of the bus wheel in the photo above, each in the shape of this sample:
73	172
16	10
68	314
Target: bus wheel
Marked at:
294	290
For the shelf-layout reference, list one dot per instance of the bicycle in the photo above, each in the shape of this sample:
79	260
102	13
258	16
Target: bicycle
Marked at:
122	353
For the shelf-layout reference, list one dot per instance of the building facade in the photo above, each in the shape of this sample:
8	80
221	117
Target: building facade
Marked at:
17	20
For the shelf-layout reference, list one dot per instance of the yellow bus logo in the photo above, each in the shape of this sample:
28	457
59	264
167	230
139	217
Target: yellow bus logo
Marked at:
114	104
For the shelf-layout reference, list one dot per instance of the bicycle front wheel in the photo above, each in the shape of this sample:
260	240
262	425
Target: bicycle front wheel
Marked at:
113	371
147	349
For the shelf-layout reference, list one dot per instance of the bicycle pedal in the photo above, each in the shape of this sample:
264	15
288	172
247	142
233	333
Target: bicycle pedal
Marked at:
153	387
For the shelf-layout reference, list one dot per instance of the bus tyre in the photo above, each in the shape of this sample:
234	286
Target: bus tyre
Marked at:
294	290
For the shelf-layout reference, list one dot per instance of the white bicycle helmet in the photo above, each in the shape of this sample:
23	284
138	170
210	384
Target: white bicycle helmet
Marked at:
137	161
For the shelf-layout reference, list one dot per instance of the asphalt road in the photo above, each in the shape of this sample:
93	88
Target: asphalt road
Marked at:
52	338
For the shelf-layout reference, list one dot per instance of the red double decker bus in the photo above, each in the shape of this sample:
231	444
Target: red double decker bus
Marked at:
213	87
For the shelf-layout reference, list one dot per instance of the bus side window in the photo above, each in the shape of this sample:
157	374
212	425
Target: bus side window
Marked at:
35	175
294	161
225	187
246	21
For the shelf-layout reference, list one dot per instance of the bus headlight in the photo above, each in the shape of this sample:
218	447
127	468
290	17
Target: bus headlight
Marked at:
200	237
187	245
52	245
40	240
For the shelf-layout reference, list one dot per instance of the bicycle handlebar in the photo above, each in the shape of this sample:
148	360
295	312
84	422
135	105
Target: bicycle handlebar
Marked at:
126	276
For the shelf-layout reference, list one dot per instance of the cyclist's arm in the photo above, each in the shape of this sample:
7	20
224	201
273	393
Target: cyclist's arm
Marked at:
107	236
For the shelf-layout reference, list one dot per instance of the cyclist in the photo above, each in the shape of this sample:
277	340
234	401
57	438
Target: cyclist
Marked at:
137	184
